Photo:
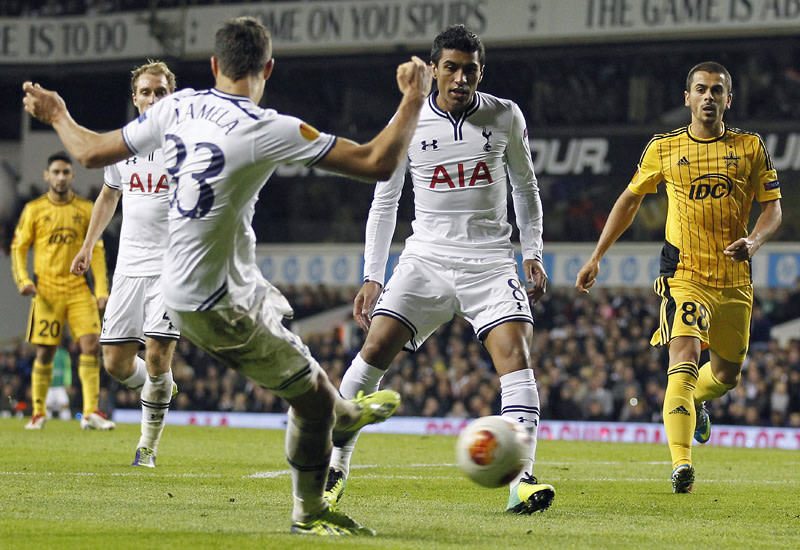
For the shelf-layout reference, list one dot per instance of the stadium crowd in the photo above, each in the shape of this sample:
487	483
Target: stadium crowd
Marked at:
592	357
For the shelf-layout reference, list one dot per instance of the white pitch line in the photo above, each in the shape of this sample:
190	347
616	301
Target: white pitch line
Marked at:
109	474
280	473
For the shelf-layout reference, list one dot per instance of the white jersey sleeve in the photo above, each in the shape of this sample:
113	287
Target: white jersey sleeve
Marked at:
524	188
381	224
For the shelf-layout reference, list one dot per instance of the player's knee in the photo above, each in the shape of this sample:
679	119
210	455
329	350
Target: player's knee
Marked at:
377	354
729	377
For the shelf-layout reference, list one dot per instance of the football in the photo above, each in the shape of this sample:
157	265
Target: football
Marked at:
491	450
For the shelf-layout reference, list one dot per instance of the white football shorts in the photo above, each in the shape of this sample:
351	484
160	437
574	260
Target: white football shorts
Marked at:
136	310
424	293
255	343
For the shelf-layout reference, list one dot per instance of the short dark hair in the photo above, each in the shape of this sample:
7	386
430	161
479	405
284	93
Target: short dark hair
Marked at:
61	155
243	47
457	37
709	67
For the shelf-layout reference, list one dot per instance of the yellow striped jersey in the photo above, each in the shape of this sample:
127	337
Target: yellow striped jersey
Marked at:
710	185
57	232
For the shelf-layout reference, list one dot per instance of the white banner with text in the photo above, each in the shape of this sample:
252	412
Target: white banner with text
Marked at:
328	27
611	432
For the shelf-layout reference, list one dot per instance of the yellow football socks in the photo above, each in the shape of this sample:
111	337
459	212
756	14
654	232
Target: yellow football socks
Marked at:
89	373
708	387
41	378
679	411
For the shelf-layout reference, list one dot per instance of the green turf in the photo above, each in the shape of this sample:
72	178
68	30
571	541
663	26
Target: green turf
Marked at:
230	488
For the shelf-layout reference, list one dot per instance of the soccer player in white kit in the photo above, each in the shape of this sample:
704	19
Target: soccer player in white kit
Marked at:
459	259
220	149
135	315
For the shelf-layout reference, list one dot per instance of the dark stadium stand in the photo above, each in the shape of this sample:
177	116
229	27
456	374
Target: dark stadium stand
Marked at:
592	357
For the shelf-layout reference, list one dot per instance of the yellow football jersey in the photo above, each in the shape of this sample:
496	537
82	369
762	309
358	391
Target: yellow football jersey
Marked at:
57	232
710	185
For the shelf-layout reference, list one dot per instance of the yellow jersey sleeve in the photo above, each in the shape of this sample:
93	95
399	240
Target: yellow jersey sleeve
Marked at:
99	270
23	238
763	176
648	173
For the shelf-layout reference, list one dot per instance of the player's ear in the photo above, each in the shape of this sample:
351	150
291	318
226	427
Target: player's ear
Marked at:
214	66
268	68
686	99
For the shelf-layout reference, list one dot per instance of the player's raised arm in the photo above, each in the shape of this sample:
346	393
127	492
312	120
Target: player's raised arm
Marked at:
378	159
619	220
90	148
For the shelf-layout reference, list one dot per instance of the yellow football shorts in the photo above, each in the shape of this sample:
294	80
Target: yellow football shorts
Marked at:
719	317
48	315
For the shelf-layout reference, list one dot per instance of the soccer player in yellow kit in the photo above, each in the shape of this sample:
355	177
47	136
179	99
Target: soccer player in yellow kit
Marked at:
55	225
711	173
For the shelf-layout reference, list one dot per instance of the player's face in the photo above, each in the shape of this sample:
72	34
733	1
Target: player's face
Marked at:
59	176
149	89
708	97
457	76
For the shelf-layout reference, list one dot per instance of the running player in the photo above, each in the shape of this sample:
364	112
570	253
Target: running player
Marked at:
220	149
459	260
711	173
135	315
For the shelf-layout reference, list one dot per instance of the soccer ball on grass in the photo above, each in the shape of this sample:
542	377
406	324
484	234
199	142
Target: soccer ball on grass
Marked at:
491	450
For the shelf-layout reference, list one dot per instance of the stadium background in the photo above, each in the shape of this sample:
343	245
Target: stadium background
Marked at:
595	79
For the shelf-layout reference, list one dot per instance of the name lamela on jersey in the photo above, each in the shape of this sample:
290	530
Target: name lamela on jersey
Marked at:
210	113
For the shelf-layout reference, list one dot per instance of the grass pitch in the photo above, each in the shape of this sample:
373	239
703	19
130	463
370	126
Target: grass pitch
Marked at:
230	488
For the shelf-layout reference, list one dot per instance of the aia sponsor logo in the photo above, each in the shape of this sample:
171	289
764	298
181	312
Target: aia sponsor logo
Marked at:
715	186
148	184
460	176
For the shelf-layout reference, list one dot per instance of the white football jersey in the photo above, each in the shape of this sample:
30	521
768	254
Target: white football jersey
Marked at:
460	169
145	202
219	150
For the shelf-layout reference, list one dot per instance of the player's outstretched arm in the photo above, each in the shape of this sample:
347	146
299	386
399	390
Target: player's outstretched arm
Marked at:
103	211
378	159
768	221
91	149
619	220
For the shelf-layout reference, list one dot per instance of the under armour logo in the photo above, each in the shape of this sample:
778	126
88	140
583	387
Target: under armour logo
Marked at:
487	146
683	162
169	321
432	145
131	160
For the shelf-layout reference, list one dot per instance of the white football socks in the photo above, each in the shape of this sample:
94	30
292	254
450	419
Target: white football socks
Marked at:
156	395
308	448
519	401
137	379
359	376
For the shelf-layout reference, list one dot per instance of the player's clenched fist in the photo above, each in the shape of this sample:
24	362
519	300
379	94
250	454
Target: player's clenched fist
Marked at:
43	104
414	76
